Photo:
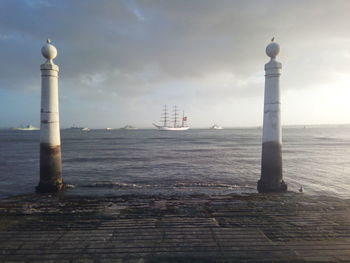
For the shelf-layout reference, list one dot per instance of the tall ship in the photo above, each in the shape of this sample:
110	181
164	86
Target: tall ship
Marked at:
177	125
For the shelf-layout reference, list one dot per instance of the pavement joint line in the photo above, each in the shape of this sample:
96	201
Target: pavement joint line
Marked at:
217	242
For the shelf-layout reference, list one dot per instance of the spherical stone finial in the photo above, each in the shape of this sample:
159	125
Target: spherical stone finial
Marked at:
272	49
49	51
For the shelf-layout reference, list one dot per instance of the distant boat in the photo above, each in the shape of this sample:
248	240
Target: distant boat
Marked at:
216	127
29	127
75	128
175	126
128	127
109	129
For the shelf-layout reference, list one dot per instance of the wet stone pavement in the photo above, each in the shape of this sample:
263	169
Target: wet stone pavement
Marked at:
289	227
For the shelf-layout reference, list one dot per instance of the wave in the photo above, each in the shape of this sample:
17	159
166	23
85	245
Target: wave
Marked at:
163	138
201	142
111	184
194	150
210	185
106	159
326	138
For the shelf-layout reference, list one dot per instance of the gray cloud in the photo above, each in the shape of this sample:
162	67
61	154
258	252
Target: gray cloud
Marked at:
115	51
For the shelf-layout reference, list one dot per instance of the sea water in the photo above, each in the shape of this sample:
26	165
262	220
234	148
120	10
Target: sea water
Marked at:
197	161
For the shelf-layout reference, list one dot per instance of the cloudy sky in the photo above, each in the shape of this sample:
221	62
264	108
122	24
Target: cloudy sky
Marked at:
121	61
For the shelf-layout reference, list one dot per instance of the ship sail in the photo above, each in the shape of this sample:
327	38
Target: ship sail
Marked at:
164	117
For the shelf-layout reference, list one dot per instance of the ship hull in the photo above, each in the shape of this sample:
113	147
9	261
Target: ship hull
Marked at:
215	127
164	128
26	129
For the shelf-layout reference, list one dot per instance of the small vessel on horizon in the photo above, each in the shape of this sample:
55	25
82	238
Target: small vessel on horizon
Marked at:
29	127
76	128
216	127
175	127
128	127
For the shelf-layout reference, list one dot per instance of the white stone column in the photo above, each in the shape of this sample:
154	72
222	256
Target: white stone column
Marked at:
271	161
50	141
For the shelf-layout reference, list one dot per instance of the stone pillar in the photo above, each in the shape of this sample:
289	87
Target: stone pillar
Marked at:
271	160
50	141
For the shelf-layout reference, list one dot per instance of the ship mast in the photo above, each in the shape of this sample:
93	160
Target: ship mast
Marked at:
165	116
175	116
183	119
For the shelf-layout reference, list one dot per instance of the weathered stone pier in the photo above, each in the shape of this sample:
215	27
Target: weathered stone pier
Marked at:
286	227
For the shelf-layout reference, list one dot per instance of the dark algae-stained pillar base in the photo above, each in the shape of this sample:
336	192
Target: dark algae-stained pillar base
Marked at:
50	169
271	169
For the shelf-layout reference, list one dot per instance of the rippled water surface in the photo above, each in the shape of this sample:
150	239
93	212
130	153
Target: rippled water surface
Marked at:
194	161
